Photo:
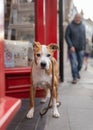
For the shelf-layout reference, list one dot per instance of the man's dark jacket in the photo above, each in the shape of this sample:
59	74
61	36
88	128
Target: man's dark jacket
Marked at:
76	36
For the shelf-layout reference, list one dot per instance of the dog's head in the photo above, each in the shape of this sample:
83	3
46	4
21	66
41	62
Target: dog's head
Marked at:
43	54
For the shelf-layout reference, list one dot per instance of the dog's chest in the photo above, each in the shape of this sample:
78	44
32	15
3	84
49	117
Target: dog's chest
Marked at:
40	77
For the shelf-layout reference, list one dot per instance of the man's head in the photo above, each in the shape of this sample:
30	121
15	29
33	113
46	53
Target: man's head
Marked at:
43	54
78	18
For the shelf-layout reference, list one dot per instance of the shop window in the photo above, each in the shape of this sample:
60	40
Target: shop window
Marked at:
19	32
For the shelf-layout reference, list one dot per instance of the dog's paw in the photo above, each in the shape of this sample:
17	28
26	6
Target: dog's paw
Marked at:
30	113
55	113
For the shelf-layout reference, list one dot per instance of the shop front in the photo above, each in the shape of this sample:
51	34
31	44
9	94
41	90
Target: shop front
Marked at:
21	23
26	22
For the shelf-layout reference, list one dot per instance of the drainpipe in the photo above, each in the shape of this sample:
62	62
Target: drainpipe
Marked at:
61	37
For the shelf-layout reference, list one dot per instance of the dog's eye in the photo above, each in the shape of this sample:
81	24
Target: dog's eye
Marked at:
38	54
48	55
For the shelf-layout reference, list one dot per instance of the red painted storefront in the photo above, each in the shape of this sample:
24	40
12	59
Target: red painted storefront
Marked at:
15	82
8	105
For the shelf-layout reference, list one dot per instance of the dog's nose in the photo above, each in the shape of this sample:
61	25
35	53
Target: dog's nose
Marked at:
43	65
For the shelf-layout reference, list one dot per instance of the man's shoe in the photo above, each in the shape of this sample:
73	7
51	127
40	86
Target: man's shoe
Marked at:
78	76
74	81
86	68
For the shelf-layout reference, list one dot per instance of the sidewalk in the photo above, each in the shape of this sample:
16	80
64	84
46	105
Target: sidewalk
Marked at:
77	103
76	111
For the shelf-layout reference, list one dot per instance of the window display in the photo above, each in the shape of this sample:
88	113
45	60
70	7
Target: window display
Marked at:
16	53
19	32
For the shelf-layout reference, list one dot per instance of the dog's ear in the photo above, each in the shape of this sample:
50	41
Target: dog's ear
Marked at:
53	47
36	45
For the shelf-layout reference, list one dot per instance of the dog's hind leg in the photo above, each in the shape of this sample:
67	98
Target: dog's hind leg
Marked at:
30	113
57	102
44	99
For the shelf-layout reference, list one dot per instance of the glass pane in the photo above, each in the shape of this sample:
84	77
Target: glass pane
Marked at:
19	32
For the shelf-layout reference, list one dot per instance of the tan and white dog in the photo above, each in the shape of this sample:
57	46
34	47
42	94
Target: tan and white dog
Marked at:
42	74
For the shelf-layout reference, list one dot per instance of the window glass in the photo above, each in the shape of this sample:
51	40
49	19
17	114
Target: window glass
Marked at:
19	32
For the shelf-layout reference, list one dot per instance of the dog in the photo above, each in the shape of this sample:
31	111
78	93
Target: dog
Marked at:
42	75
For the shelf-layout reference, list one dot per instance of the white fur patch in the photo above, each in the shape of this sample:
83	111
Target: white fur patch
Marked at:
43	57
30	113
43	100
40	77
55	112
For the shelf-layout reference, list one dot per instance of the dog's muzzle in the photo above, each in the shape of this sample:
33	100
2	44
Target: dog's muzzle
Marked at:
43	65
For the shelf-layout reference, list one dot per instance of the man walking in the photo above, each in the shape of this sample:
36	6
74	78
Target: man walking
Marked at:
76	40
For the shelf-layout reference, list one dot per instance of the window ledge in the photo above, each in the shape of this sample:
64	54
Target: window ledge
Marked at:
17	70
8	108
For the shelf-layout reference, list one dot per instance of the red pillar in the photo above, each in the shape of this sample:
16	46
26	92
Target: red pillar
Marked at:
46	22
2	78
39	23
51	21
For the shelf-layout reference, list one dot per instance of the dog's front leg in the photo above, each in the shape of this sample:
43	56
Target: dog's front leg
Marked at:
55	112
30	113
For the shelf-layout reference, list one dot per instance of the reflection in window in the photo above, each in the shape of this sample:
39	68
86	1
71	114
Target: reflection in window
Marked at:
19	32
